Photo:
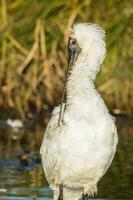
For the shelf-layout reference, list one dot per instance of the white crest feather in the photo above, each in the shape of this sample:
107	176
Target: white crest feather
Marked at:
88	30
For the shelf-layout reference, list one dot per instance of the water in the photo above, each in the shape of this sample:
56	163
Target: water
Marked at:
22	178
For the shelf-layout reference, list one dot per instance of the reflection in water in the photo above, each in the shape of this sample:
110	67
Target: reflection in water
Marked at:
22	178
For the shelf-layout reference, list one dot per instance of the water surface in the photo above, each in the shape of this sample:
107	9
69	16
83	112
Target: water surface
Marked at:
22	178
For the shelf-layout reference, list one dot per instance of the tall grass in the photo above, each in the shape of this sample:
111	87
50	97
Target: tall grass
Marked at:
33	57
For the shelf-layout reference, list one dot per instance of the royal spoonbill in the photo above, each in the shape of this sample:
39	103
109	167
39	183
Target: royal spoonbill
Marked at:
81	137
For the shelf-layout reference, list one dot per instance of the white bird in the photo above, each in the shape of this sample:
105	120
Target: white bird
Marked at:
79	145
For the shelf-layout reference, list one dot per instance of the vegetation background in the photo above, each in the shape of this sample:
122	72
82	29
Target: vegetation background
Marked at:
33	55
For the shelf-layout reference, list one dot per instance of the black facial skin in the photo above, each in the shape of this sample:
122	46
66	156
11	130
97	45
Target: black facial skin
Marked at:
73	50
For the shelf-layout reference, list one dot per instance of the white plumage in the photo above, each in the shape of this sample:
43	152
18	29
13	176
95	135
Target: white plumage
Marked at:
79	151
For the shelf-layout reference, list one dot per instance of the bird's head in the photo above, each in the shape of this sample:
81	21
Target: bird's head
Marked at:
86	41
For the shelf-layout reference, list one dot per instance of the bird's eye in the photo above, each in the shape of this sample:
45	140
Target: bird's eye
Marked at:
74	41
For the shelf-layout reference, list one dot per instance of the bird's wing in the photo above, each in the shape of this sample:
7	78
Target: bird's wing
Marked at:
115	142
51	127
49	146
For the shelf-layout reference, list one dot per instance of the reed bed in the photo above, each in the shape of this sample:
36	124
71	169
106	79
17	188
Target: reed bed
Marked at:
33	59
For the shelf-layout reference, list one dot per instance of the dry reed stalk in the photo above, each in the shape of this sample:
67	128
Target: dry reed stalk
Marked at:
43	41
36	57
19	106
40	69
48	67
48	81
106	85
46	75
70	23
30	56
17	44
14	4
33	50
59	70
47	63
4	39
57	62
62	57
38	103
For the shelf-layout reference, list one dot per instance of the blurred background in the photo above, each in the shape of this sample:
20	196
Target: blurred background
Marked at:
33	63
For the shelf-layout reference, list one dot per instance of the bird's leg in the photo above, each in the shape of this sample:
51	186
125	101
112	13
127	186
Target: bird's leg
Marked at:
85	196
60	192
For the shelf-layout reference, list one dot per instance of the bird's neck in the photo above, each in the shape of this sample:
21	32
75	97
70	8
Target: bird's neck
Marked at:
81	80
